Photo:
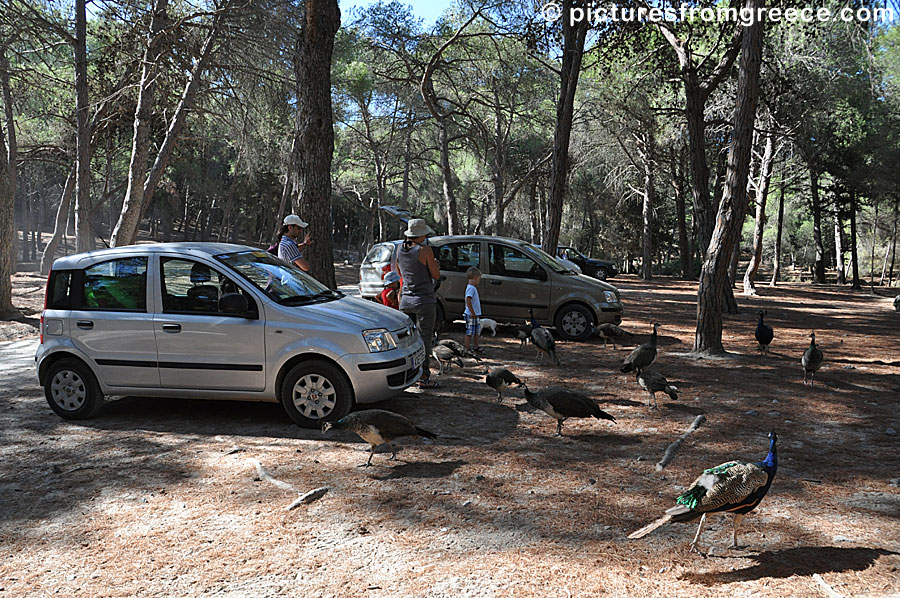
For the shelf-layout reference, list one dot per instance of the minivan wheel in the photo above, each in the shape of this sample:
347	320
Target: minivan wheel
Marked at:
314	392
573	323
72	390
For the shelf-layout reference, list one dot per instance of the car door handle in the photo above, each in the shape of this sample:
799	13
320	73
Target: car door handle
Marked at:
85	324
171	327
496	283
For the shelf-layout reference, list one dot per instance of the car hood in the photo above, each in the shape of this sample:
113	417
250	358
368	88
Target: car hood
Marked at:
592	284
596	262
354	311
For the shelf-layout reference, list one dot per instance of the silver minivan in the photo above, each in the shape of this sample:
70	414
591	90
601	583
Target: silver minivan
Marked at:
216	321
517	277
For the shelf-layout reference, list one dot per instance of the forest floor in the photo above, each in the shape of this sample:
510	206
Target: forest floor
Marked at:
162	497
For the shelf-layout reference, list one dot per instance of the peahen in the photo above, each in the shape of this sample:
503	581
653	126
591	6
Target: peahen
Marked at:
543	340
500	379
561	404
610	332
523	333
734	487
458	349
642	356
654	382
764	334
812	359
445	355
377	426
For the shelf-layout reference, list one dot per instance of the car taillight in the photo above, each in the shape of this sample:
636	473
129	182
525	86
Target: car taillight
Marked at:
42	328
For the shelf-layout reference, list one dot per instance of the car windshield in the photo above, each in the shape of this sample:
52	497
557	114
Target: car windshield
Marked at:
286	284
545	259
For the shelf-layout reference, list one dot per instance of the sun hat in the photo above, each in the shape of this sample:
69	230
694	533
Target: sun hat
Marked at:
390	278
417	228
295	219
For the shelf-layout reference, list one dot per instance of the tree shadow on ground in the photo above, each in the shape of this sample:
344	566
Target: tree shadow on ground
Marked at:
804	561
422	470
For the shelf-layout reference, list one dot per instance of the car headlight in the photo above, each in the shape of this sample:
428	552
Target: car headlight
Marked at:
610	297
378	340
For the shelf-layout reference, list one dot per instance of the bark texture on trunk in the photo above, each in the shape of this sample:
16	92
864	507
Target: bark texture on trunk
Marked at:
854	237
839	246
574	35
8	150
819	266
315	45
647	155
685	254
779	227
762	192
714	274
84	234
125	230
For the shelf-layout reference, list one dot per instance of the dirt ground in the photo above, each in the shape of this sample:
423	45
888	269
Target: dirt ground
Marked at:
159	497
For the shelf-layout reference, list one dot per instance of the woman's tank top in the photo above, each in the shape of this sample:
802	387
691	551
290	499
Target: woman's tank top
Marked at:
418	286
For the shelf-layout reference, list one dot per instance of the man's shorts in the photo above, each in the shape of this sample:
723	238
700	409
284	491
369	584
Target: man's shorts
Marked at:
471	325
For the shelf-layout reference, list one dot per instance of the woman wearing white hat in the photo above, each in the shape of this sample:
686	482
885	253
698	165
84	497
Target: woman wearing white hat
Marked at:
288	248
419	270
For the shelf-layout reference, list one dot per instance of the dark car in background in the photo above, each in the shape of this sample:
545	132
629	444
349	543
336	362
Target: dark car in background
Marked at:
600	269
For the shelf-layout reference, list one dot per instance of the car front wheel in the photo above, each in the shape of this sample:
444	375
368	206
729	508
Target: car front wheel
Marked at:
602	273
314	392
574	323
72	390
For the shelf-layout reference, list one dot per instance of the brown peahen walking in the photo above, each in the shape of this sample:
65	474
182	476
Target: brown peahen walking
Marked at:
812	359
561	404
734	487
377	426
641	356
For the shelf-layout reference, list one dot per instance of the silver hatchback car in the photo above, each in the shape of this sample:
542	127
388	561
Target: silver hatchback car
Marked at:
216	321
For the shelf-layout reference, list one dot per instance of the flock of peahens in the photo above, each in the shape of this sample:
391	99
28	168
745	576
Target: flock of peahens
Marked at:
735	487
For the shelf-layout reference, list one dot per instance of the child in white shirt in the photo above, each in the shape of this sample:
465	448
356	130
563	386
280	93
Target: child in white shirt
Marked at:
473	309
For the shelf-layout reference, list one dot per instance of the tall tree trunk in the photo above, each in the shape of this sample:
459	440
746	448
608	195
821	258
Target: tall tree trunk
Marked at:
684	249
450	207
779	227
762	192
534	224
854	256
84	235
7	227
315	44
574	35
819	267
407	162
893	247
9	147
874	240
125	231
714	274
704	211
647	152
839	245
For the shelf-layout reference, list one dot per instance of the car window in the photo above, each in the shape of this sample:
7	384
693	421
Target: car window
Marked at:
190	287
459	257
285	283
507	261
59	289
116	285
379	253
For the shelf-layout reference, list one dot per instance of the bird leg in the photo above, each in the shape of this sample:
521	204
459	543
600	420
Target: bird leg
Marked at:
694	547
737	522
393	452
499	397
654	404
559	423
371	453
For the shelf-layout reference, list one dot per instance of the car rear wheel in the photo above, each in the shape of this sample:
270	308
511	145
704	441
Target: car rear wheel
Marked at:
314	392
72	390
574	322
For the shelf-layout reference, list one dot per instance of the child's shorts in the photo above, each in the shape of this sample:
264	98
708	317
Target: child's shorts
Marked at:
471	325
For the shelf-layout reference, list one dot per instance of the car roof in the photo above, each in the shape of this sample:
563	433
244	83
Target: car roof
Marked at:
187	248
463	238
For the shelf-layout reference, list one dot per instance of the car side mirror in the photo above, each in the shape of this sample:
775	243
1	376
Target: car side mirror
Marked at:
233	303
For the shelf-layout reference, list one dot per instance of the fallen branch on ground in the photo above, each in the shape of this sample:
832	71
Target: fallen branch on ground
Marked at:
673	448
303	499
829	591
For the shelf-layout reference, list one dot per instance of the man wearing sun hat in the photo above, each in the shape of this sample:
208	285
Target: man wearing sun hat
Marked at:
419	270
289	249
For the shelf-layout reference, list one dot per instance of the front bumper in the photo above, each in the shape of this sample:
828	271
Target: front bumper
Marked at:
379	376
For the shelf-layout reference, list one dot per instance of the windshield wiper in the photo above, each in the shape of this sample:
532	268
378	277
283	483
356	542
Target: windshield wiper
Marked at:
329	294
298	300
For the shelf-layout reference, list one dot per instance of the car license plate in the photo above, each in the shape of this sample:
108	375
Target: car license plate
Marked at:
418	358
